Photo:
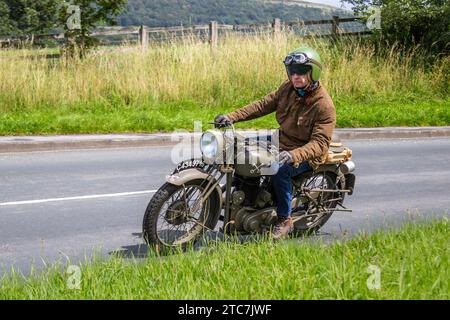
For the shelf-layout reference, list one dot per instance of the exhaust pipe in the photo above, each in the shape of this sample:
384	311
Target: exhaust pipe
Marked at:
347	167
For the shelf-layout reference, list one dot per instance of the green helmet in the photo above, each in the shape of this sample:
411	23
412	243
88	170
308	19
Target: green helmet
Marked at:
307	56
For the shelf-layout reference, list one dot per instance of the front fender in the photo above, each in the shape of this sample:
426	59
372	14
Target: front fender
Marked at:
184	176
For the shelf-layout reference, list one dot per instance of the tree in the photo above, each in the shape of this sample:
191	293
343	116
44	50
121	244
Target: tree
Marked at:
77	18
6	27
19	17
411	22
80	17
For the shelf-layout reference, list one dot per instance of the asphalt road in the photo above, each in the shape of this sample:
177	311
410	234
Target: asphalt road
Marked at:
41	222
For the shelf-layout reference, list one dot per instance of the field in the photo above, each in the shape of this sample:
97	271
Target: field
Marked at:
406	263
171	85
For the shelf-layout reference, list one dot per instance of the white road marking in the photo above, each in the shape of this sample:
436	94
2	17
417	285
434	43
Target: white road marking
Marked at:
96	196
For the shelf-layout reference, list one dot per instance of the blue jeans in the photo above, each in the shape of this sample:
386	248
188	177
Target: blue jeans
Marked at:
282	186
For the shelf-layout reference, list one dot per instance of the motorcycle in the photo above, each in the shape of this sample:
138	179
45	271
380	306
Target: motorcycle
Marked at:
193	200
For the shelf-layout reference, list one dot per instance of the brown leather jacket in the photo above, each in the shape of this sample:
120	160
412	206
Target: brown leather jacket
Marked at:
306	123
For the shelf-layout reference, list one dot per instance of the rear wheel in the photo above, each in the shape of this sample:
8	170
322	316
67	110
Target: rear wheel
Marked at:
317	202
169	222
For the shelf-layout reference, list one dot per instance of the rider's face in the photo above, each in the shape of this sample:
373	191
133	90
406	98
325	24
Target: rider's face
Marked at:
300	81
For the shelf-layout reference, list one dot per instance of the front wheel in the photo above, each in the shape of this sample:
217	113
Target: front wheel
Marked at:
169	222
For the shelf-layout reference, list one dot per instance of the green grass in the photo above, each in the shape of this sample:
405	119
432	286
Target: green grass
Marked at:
413	263
170	86
152	117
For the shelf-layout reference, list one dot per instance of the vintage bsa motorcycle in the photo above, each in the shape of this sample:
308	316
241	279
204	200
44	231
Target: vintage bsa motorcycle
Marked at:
193	200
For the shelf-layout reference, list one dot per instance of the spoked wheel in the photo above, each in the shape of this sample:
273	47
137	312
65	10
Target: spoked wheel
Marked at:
318	201
172	219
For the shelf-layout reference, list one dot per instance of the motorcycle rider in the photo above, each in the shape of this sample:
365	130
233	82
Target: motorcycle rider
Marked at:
307	118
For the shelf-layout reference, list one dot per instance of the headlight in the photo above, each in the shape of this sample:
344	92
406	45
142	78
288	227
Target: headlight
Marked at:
209	145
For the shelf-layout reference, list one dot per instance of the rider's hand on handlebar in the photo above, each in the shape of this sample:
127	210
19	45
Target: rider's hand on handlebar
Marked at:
285	157
221	121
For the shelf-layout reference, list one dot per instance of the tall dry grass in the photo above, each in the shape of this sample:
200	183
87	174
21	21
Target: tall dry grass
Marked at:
241	69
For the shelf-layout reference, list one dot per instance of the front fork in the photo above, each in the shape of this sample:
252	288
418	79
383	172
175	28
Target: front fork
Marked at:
226	214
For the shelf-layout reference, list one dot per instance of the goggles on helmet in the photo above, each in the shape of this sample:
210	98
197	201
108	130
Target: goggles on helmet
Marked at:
297	58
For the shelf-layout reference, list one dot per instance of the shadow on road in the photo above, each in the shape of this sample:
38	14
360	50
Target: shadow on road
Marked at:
133	251
142	250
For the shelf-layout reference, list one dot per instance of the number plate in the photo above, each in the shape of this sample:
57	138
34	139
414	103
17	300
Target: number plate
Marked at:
189	164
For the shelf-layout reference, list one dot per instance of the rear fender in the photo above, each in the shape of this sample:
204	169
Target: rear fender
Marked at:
328	167
350	183
341	178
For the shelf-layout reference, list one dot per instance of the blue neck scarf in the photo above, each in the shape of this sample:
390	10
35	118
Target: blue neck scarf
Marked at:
305	91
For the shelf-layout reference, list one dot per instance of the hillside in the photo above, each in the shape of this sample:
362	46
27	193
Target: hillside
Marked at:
189	12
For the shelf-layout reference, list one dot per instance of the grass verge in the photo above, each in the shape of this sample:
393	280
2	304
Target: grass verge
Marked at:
412	263
147	118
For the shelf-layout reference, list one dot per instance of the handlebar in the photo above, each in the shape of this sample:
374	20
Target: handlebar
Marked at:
220	125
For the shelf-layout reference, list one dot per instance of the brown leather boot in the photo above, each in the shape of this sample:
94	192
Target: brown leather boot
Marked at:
282	228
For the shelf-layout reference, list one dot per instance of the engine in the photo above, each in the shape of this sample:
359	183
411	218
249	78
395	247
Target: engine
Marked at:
252	204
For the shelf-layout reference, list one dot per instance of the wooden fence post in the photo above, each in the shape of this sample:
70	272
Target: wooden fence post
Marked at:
276	25
213	34
335	27
143	37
